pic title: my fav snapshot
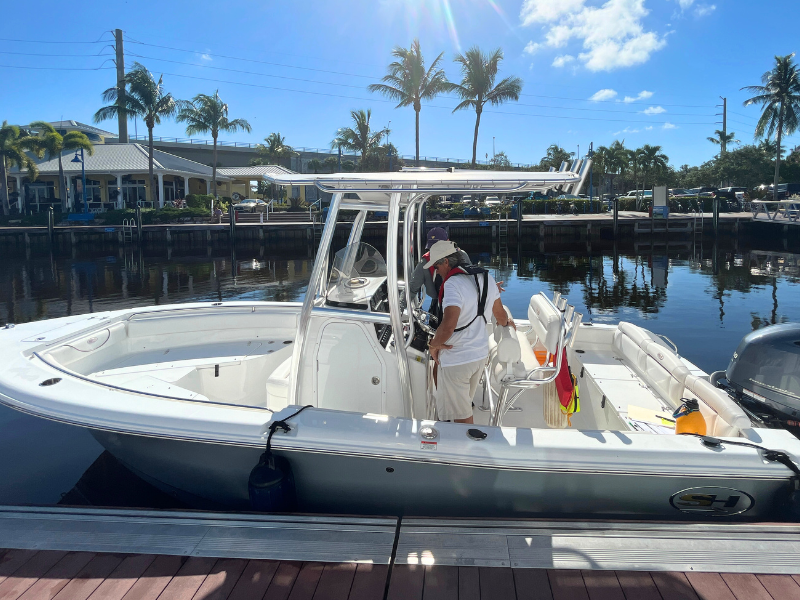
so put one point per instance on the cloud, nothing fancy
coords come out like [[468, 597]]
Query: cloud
[[205, 57], [684, 4], [643, 95], [654, 110], [703, 10], [612, 35], [532, 48], [560, 61], [606, 94], [648, 128], [626, 130], [669, 125], [544, 11]]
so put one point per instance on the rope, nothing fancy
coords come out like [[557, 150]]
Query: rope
[[283, 426]]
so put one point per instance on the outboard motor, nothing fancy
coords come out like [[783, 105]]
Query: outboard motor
[[766, 368]]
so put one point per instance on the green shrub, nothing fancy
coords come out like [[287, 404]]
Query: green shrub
[[199, 201]]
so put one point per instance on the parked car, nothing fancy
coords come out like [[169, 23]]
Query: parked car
[[706, 192], [785, 190], [679, 193], [492, 201], [568, 197], [250, 205], [729, 193], [633, 194]]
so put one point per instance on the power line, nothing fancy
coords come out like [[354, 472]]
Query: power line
[[252, 60], [269, 87], [99, 40], [362, 87], [58, 55], [56, 68], [741, 115]]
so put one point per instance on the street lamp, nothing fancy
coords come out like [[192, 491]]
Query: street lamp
[[83, 177]]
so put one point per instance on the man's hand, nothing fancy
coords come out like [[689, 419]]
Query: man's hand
[[436, 348], [500, 287]]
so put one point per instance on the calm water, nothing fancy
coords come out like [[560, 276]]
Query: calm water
[[704, 303]]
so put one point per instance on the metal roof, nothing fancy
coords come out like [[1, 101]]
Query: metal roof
[[257, 171], [78, 126], [433, 181], [123, 159]]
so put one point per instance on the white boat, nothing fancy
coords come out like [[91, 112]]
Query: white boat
[[186, 395]]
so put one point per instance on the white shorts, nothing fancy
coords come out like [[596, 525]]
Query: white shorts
[[456, 388]]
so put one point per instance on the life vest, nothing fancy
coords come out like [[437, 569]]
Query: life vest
[[567, 389], [482, 293]]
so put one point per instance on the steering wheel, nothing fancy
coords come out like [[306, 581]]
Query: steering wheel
[[423, 319]]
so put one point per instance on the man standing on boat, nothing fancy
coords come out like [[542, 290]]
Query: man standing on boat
[[425, 277], [469, 296]]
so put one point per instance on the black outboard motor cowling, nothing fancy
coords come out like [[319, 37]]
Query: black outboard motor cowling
[[766, 368]]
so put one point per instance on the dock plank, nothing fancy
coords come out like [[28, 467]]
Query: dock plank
[[13, 560], [532, 584], [307, 580], [221, 580], [407, 582], [91, 576], [746, 586], [189, 578], [254, 580], [123, 577], [441, 583], [29, 573], [567, 584], [497, 583], [58, 576], [369, 582], [155, 578], [283, 581], [780, 587], [602, 585], [638, 584], [710, 586], [469, 583], [335, 581], [673, 586]]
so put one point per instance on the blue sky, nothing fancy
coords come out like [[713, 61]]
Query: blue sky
[[655, 68]]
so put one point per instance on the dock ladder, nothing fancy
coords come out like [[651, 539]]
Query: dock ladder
[[128, 225], [697, 232], [502, 233]]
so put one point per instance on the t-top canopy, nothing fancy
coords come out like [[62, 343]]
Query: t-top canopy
[[432, 182]]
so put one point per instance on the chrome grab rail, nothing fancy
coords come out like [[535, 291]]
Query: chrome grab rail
[[670, 342]]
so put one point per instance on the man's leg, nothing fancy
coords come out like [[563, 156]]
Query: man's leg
[[453, 402]]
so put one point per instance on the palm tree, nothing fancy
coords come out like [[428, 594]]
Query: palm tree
[[652, 160], [209, 114], [410, 83], [274, 150], [477, 85], [779, 97], [54, 144], [13, 144], [144, 98], [723, 139], [315, 164], [615, 160], [331, 163], [359, 138]]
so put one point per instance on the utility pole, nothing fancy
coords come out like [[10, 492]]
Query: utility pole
[[122, 116], [723, 145]]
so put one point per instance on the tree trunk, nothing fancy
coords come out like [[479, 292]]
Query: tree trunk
[[62, 189], [778, 155], [214, 171], [152, 186], [4, 186], [475, 139], [417, 113]]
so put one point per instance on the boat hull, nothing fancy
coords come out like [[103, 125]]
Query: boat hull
[[209, 475]]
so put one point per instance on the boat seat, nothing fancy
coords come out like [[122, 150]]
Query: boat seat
[[545, 322], [723, 416], [278, 385]]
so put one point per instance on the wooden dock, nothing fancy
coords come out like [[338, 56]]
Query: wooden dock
[[108, 554]]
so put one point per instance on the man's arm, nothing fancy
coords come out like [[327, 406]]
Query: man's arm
[[500, 314], [445, 331], [417, 278]]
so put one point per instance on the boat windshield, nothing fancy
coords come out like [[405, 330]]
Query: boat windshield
[[358, 270]]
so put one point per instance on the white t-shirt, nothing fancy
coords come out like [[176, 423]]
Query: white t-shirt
[[472, 343]]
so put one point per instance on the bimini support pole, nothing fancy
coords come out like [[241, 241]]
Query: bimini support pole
[[394, 302], [317, 274]]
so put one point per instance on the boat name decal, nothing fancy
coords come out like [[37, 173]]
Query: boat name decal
[[715, 501]]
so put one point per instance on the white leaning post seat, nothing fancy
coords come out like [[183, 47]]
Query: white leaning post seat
[[546, 325], [723, 416]]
